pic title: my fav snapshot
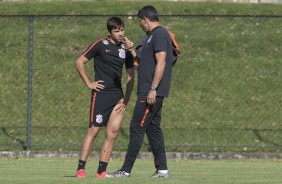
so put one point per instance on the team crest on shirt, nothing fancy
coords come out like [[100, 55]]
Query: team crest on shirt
[[99, 118], [121, 53], [106, 42]]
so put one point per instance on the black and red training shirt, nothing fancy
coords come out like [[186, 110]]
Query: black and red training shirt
[[109, 59]]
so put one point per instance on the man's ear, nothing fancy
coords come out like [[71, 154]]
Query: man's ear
[[145, 20]]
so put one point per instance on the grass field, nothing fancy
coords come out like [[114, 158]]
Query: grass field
[[226, 88], [62, 170]]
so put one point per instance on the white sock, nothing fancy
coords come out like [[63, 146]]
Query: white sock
[[163, 171]]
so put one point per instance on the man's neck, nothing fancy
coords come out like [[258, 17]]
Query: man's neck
[[154, 25], [113, 41]]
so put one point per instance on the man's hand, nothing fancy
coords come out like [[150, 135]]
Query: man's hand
[[128, 44], [120, 107], [151, 98], [96, 85]]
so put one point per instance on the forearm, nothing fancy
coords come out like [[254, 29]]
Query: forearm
[[133, 52], [159, 71], [129, 86], [160, 67]]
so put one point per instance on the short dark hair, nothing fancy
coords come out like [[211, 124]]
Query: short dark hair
[[114, 23], [149, 12]]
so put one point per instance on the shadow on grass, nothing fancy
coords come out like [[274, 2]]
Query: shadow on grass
[[14, 138], [262, 139]]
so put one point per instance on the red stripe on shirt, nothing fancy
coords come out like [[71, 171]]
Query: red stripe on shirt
[[93, 44]]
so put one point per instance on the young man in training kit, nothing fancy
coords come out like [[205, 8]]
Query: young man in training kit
[[154, 76], [108, 101]]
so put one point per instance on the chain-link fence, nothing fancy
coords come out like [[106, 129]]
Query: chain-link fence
[[226, 87]]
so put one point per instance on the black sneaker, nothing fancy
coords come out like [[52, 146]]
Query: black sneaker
[[118, 174], [160, 174]]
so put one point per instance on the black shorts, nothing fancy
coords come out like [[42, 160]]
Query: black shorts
[[102, 105]]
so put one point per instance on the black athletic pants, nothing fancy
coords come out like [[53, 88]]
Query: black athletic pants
[[146, 119]]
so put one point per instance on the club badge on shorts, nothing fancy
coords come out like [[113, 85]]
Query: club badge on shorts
[[99, 118]]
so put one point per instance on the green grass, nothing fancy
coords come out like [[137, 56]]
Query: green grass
[[226, 88], [130, 7], [62, 170]]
